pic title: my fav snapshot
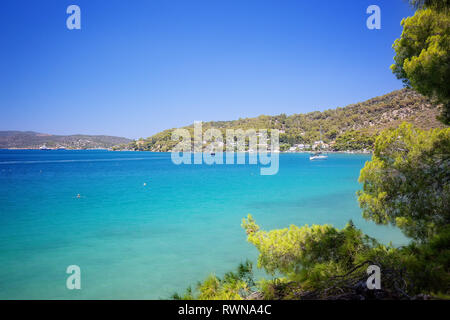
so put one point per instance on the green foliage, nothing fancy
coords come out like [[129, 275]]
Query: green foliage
[[434, 4], [319, 258], [407, 182], [187, 295], [423, 54], [233, 286], [308, 254], [284, 147], [322, 261], [354, 140], [428, 264]]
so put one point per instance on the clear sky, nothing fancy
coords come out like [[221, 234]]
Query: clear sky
[[139, 67]]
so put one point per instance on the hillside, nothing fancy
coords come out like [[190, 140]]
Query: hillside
[[348, 128], [34, 140]]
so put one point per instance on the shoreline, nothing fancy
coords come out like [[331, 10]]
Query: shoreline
[[56, 149], [106, 149]]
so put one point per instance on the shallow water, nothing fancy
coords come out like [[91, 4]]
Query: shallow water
[[136, 241]]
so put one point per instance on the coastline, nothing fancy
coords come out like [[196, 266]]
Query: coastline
[[109, 149], [56, 149]]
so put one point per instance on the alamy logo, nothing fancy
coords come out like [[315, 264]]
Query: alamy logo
[[374, 21], [210, 147], [374, 280], [74, 280], [74, 20]]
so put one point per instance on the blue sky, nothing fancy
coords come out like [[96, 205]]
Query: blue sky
[[139, 67]]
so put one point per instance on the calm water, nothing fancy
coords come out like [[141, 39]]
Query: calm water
[[136, 241]]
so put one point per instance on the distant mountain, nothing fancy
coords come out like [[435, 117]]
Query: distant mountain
[[353, 127], [35, 140]]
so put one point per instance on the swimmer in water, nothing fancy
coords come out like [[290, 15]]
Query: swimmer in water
[[145, 183], [78, 196]]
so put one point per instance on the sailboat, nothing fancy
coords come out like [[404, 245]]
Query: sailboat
[[44, 147], [318, 155]]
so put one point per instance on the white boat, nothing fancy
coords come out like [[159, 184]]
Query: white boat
[[318, 156]]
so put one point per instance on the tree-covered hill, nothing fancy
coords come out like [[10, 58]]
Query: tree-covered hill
[[348, 128], [34, 140]]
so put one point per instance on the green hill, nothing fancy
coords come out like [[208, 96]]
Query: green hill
[[35, 140], [349, 128]]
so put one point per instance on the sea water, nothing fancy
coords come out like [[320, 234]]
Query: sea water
[[141, 227]]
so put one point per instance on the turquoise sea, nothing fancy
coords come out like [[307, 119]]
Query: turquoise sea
[[136, 241]]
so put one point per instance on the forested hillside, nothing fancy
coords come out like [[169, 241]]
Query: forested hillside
[[34, 140], [349, 128]]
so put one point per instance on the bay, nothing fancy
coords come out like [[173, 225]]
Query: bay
[[143, 227]]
